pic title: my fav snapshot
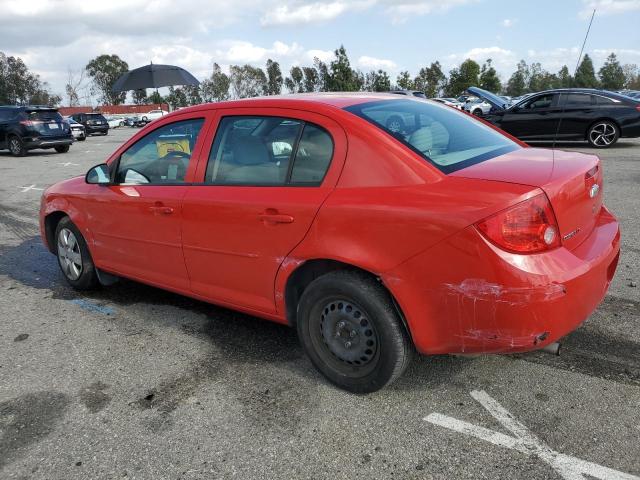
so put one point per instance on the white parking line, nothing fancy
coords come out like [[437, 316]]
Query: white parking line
[[523, 441], [67, 164], [30, 187]]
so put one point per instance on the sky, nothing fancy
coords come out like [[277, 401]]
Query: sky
[[56, 36]]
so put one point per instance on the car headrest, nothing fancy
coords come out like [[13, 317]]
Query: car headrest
[[250, 151]]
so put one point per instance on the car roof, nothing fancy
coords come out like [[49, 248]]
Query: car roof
[[339, 100]]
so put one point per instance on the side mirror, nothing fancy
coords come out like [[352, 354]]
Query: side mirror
[[99, 175]]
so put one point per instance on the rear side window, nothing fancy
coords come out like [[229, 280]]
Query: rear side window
[[579, 100], [268, 151], [446, 138]]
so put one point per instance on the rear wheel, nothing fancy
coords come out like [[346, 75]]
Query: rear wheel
[[351, 331], [73, 256], [477, 112], [603, 134], [16, 146], [62, 149]]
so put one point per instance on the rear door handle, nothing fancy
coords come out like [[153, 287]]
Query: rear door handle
[[275, 218]]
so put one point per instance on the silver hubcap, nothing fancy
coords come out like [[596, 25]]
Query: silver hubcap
[[14, 146], [69, 254], [602, 134]]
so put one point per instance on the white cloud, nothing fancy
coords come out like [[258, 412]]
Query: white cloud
[[402, 10], [323, 55], [247, 52], [608, 7], [509, 22], [302, 14], [376, 63]]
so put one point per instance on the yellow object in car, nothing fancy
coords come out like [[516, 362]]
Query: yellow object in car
[[173, 143]]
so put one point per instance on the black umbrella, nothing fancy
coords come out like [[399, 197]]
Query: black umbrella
[[153, 76]]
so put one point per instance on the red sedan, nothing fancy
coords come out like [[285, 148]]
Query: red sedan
[[372, 223]]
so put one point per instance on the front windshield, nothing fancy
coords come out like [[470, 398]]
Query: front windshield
[[448, 139]]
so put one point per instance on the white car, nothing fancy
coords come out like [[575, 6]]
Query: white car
[[115, 122], [77, 129], [450, 102], [152, 115], [477, 107]]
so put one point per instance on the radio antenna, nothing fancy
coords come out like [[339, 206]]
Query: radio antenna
[[564, 101], [585, 42]]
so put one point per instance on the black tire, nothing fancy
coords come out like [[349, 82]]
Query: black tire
[[145, 119], [603, 134], [86, 278], [331, 309], [395, 124], [16, 146], [82, 139], [62, 149], [122, 124], [477, 112]]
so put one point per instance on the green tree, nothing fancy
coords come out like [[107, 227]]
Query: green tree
[[377, 81], [631, 77], [323, 74], [140, 96], [247, 81], [586, 75], [430, 80], [19, 86], [177, 97], [404, 81], [462, 78], [311, 79], [156, 98], [295, 82], [611, 74], [518, 83], [274, 78], [342, 78], [216, 87], [104, 70], [564, 78], [489, 79]]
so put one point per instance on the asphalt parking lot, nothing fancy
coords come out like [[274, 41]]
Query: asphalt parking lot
[[134, 382]]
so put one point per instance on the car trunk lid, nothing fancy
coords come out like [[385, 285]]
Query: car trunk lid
[[572, 181], [48, 123]]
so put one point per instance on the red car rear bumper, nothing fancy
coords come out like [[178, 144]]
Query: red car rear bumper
[[467, 296]]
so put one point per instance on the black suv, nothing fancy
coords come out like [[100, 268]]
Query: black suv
[[93, 122], [30, 127]]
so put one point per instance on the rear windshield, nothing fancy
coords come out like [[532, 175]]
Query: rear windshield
[[446, 138], [42, 115], [95, 116]]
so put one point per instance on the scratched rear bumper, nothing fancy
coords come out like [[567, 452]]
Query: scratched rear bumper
[[485, 300]]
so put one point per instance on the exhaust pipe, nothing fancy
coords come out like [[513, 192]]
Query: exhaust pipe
[[552, 348]]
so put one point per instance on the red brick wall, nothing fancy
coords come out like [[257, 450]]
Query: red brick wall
[[113, 109]]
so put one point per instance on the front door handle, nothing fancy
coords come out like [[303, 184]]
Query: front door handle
[[159, 208], [273, 217]]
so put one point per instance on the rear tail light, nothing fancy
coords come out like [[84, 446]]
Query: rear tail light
[[528, 227], [638, 107], [29, 123]]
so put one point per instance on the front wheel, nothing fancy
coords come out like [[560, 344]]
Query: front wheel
[[62, 149], [351, 331], [603, 134], [477, 112], [73, 256]]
